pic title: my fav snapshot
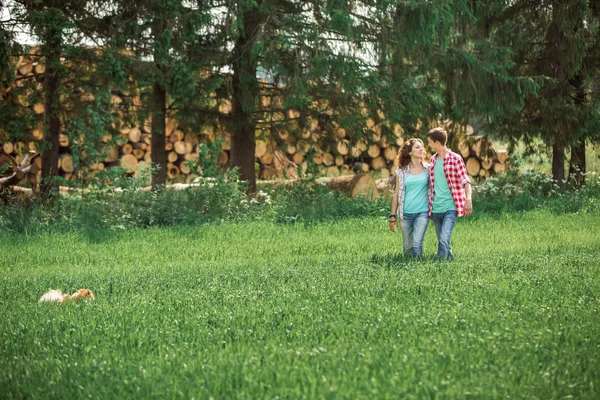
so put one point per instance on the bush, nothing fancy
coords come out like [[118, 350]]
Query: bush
[[314, 202], [223, 198], [518, 192]]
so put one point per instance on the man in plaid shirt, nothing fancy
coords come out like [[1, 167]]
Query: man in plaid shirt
[[451, 190]]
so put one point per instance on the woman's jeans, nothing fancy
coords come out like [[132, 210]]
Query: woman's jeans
[[413, 231], [444, 224]]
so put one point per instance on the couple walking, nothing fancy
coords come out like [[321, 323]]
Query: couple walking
[[440, 190]]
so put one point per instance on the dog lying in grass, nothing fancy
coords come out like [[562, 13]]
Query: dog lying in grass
[[59, 297]]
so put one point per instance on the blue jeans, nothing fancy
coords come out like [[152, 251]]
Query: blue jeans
[[444, 224], [413, 231]]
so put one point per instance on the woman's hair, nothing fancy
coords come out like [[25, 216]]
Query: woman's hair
[[403, 158]]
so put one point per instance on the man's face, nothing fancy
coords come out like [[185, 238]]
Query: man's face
[[434, 146]]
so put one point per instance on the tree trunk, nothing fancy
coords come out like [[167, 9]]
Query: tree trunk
[[577, 164], [245, 98], [558, 159], [50, 144], [158, 137]]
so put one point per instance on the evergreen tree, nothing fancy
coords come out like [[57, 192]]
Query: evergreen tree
[[162, 45], [557, 40]]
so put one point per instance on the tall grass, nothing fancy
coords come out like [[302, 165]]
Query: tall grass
[[259, 309]]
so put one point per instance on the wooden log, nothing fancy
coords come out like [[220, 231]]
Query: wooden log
[[289, 148], [172, 171], [99, 166], [339, 161], [390, 153], [298, 158], [192, 139], [477, 146], [267, 158], [328, 159], [39, 108], [378, 163], [127, 148], [302, 146], [39, 68], [260, 149], [134, 135], [111, 153], [342, 147], [464, 149], [191, 156], [139, 153], [487, 163], [8, 147], [333, 171], [361, 167], [398, 131], [63, 140], [168, 146], [383, 142], [176, 136], [185, 167], [499, 167], [374, 151], [473, 166], [38, 133], [66, 163], [269, 173], [180, 147], [147, 138], [346, 170], [129, 162], [190, 178], [353, 185], [502, 156], [283, 134], [318, 158], [25, 68], [172, 157]]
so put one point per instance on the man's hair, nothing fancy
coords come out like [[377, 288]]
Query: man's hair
[[438, 135]]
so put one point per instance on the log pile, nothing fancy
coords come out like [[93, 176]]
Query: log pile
[[12, 172], [279, 154]]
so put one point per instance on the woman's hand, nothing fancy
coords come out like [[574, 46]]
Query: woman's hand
[[393, 224]]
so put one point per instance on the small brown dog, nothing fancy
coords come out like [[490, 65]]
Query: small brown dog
[[59, 297]]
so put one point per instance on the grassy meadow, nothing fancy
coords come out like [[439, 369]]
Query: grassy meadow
[[328, 310]]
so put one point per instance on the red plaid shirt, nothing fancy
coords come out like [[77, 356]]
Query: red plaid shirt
[[457, 177]]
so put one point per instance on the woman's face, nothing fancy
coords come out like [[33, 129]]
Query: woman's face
[[417, 151]]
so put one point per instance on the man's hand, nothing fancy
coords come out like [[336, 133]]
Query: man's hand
[[468, 208], [393, 225]]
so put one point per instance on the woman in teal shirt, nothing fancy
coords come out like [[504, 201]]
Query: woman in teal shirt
[[410, 204]]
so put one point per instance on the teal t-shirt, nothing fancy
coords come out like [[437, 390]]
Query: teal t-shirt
[[442, 197], [415, 193]]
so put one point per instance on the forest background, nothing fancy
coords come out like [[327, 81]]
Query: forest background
[[522, 72]]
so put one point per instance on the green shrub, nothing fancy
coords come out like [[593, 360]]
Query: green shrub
[[518, 192], [222, 198]]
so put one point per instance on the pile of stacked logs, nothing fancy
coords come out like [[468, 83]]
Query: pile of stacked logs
[[279, 154]]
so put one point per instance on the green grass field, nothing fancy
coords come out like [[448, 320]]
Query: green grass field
[[259, 310]]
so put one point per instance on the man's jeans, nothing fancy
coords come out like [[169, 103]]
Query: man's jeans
[[413, 231], [444, 224]]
